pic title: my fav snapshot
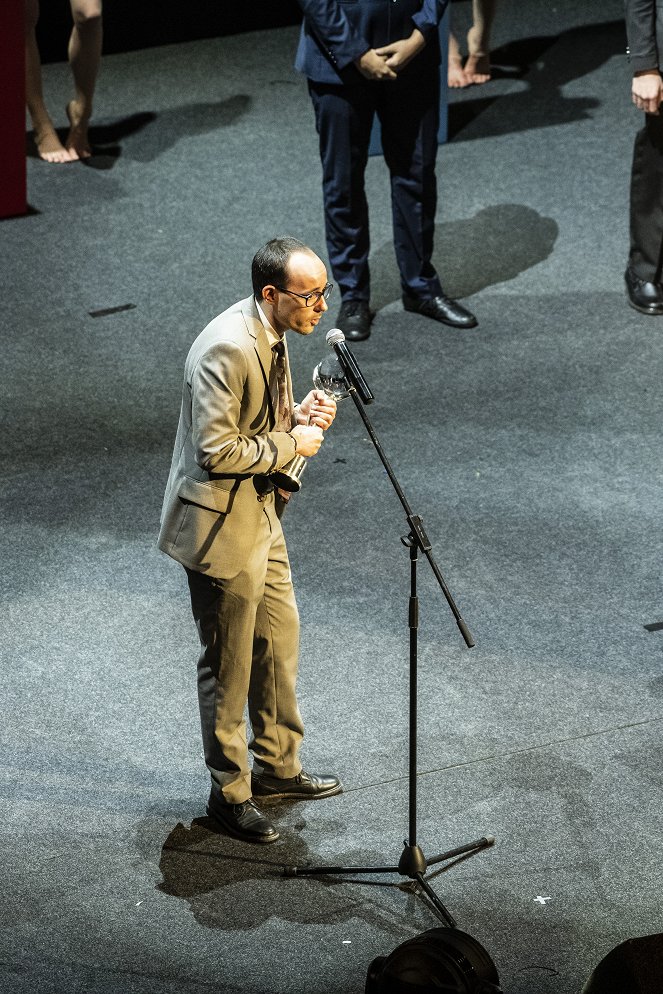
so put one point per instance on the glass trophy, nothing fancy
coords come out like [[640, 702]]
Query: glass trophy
[[328, 377]]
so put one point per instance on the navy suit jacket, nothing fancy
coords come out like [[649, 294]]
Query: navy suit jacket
[[336, 32], [644, 30]]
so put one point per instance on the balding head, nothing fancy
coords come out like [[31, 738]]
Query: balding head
[[270, 264]]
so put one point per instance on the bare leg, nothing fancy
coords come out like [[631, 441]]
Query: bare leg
[[477, 67], [84, 58], [48, 144], [455, 74]]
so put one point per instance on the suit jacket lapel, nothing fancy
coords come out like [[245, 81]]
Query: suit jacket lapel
[[255, 328]]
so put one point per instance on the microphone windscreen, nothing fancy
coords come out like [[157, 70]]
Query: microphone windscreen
[[334, 336]]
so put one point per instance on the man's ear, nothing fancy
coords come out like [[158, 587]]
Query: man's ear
[[269, 293]]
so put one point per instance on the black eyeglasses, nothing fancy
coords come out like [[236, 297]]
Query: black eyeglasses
[[310, 299]]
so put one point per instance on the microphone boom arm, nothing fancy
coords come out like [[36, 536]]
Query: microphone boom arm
[[417, 531]]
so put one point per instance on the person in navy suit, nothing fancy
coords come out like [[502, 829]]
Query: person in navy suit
[[361, 58], [644, 272]]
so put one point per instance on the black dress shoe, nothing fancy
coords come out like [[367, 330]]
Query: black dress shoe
[[644, 296], [442, 309], [243, 821], [354, 319], [303, 787]]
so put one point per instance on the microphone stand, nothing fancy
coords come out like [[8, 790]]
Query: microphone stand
[[412, 863]]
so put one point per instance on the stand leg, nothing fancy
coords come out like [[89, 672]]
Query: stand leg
[[435, 901], [483, 843], [333, 871]]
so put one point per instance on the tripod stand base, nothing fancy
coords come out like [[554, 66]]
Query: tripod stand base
[[412, 861], [413, 864]]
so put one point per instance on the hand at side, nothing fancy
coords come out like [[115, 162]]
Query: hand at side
[[647, 91]]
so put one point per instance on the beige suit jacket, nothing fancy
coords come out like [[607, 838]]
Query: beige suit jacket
[[225, 446]]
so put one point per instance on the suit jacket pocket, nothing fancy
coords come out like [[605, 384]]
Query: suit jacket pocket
[[212, 496]]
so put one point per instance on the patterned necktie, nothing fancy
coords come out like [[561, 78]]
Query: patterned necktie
[[282, 406]]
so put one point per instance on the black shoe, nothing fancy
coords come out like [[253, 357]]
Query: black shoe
[[354, 319], [243, 821], [442, 309], [643, 296], [302, 787]]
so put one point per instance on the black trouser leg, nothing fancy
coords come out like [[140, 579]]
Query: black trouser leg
[[409, 116], [646, 215], [343, 117]]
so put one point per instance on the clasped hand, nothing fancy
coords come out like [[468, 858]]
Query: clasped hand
[[316, 413], [317, 409], [385, 63]]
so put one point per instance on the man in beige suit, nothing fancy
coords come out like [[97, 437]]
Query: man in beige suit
[[221, 520]]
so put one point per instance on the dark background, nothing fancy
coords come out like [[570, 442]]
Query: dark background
[[134, 24]]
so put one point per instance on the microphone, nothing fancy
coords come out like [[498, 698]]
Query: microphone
[[336, 340]]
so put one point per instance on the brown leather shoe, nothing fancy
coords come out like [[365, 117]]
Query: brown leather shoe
[[243, 821], [305, 786]]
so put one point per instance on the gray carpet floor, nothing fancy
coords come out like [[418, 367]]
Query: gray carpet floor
[[530, 446]]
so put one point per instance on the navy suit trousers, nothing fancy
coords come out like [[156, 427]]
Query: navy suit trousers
[[646, 218], [408, 110]]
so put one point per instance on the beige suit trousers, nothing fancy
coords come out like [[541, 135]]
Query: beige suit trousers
[[249, 632]]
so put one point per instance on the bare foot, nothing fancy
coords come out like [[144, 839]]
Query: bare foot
[[456, 76], [477, 68], [48, 145], [77, 143]]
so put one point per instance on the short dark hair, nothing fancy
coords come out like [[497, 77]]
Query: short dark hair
[[270, 263]]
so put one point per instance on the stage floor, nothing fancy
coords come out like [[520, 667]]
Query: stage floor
[[530, 446]]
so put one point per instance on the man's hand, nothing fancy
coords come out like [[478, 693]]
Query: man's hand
[[374, 66], [308, 438], [647, 91], [317, 409], [398, 53]]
